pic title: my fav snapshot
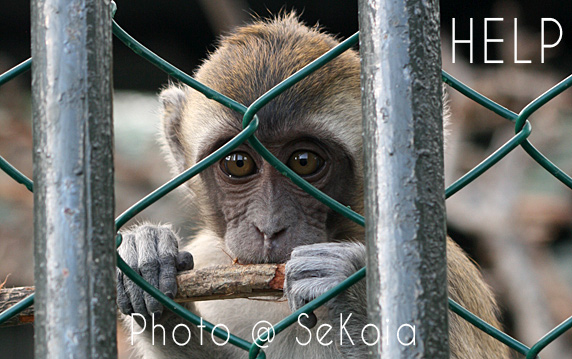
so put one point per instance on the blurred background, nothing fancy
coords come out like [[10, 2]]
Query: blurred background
[[515, 220]]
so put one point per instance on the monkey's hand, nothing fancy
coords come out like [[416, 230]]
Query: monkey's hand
[[314, 269], [153, 252]]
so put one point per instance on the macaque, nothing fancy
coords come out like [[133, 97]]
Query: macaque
[[250, 213]]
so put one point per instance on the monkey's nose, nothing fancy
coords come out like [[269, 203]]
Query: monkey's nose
[[270, 233]]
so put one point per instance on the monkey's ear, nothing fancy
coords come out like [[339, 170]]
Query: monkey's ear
[[172, 110]]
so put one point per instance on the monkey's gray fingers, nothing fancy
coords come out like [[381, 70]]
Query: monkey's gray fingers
[[307, 279], [152, 252], [348, 256], [315, 269]]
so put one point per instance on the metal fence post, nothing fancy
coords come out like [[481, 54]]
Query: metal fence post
[[404, 205], [73, 174]]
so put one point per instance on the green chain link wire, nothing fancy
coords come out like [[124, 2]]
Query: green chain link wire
[[523, 129]]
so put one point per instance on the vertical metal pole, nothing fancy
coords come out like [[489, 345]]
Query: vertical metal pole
[[73, 174], [404, 206]]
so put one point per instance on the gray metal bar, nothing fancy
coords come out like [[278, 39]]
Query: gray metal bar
[[404, 206], [73, 175]]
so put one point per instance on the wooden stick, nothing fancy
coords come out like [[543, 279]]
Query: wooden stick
[[211, 283], [226, 282]]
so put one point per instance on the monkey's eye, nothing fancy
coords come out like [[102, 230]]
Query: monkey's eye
[[238, 164], [305, 163]]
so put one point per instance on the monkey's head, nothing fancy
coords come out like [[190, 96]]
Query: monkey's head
[[314, 128]]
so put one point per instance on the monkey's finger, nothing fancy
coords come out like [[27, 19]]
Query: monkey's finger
[[128, 252], [307, 251], [312, 268], [321, 250], [122, 298], [135, 295], [150, 272], [335, 259], [167, 251], [167, 276], [159, 247], [185, 261], [302, 291]]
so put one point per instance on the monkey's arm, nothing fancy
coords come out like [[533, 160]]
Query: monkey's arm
[[315, 269]]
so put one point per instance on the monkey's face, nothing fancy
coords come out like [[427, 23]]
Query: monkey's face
[[261, 214], [314, 127]]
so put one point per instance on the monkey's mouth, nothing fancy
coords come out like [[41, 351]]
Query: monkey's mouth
[[260, 248], [238, 261], [261, 255], [257, 259]]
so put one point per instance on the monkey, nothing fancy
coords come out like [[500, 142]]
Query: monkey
[[251, 213]]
